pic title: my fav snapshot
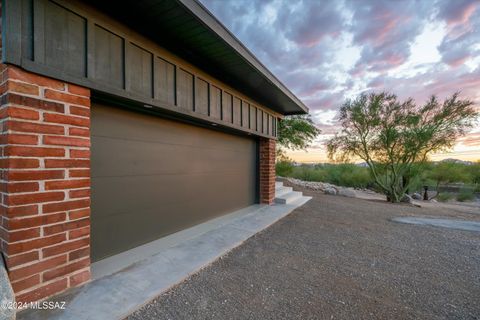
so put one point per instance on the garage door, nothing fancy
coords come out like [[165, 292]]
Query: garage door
[[152, 177]]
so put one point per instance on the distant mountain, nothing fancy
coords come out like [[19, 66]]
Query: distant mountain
[[364, 164], [457, 161]]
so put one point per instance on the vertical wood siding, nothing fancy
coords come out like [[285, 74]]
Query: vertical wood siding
[[68, 41], [164, 81], [201, 97], [227, 107]]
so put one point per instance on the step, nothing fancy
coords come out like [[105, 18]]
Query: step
[[288, 197], [278, 184], [282, 190]]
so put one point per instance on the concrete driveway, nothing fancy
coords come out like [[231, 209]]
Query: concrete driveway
[[338, 258]]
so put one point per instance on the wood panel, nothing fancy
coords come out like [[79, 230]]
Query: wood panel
[[253, 117], [237, 111], [108, 58], [215, 102], [259, 120], [227, 107], [201, 97], [79, 45], [140, 70], [185, 89], [164, 81], [265, 123], [245, 114], [63, 48], [270, 125]]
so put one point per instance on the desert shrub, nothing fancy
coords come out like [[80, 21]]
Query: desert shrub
[[474, 173], [348, 175], [444, 197], [284, 168], [308, 173], [465, 195]]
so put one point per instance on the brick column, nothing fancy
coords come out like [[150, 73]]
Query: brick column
[[267, 170], [45, 183]]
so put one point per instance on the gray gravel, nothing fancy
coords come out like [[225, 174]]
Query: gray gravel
[[338, 258]]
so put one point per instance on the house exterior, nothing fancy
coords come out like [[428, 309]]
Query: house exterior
[[121, 124]]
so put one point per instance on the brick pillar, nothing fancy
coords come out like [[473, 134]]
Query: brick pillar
[[45, 187], [267, 170]]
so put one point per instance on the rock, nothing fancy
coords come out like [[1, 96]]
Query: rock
[[6, 294], [417, 196], [433, 200], [346, 192], [407, 199], [330, 190]]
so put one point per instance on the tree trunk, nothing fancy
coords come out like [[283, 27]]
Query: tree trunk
[[405, 182]]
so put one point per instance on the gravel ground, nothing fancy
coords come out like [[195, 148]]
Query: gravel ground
[[338, 258]]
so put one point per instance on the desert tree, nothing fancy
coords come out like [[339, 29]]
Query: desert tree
[[392, 135], [295, 133], [447, 172]]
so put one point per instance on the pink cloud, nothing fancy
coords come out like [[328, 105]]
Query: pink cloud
[[458, 11], [470, 140]]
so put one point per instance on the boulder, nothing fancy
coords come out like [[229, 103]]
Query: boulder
[[417, 196], [330, 190], [407, 199], [346, 192]]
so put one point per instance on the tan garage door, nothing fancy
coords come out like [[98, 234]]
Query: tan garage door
[[152, 177]]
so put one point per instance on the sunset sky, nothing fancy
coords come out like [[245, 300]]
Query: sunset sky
[[328, 50]]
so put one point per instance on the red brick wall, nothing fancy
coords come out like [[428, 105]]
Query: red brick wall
[[267, 170], [45, 183]]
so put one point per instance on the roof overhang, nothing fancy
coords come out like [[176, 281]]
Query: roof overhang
[[189, 30]]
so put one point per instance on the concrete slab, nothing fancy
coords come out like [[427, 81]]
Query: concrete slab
[[120, 261], [7, 298], [444, 223], [165, 262]]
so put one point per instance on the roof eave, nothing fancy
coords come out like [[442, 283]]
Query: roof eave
[[215, 26]]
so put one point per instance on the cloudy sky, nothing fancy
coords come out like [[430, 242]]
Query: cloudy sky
[[328, 50]]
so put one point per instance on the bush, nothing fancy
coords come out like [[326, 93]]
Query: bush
[[444, 197], [308, 173], [474, 173], [351, 175], [347, 175], [284, 168], [465, 195]]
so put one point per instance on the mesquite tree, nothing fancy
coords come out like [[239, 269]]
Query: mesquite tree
[[295, 133], [390, 135]]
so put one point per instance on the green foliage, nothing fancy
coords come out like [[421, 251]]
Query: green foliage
[[296, 132], [347, 175], [284, 168], [465, 195], [419, 176], [350, 175], [474, 173], [391, 136], [476, 188], [308, 173], [449, 172], [444, 197]]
